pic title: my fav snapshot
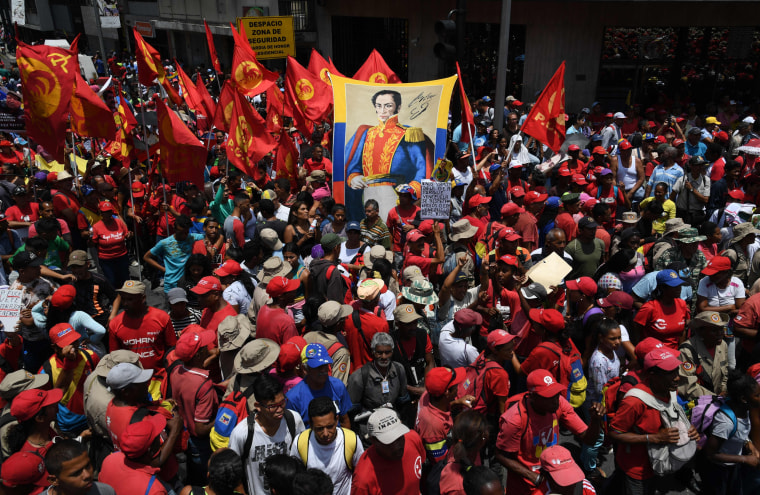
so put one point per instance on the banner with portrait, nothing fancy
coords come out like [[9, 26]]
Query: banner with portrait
[[386, 135]]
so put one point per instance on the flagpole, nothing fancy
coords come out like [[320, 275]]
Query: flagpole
[[132, 200], [73, 163], [472, 145]]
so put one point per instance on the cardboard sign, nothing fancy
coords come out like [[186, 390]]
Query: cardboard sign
[[550, 271], [436, 200], [10, 308], [270, 37]]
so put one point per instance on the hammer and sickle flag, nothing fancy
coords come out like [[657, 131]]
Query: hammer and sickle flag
[[250, 77], [223, 113], [312, 96], [320, 68], [249, 140], [376, 71], [286, 165], [183, 156], [546, 121], [150, 67], [89, 114], [47, 83]]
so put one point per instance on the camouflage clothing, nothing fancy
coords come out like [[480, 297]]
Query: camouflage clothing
[[695, 264]]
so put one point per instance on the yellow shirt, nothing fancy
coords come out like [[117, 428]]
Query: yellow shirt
[[668, 212]]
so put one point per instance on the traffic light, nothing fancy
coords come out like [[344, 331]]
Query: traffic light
[[446, 49]]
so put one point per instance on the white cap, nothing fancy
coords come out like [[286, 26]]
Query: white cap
[[619, 115], [749, 120], [125, 374]]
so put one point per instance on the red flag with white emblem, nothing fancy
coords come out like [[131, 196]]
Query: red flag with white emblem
[[546, 120]]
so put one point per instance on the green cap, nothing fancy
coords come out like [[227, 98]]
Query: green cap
[[330, 241]]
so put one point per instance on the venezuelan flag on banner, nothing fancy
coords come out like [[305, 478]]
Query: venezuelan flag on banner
[[386, 135]]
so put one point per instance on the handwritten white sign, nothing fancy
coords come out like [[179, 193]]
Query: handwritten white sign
[[436, 200], [10, 309]]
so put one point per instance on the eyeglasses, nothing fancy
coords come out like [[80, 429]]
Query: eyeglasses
[[275, 406]]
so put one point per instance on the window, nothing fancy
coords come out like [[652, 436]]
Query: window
[[302, 12]]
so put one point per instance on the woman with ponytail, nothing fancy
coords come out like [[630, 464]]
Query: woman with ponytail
[[469, 436]]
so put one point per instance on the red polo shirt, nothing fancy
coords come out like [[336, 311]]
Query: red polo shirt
[[280, 325], [210, 320], [371, 324], [194, 392], [131, 477], [376, 475], [149, 336], [434, 426]]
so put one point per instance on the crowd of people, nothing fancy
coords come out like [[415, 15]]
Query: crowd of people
[[248, 337]]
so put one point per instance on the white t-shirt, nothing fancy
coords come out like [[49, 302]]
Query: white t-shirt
[[721, 297], [262, 447], [330, 459], [388, 304], [455, 352], [624, 337], [446, 312], [465, 176], [347, 254], [601, 369], [236, 295]]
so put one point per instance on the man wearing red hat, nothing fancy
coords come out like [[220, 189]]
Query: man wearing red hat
[[280, 325], [35, 410], [531, 424], [629, 171], [561, 475], [637, 414], [526, 226], [23, 473], [215, 308], [68, 368]]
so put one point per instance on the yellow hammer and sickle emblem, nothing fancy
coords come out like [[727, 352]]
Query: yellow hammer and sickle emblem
[[60, 58], [323, 75], [379, 78], [304, 90]]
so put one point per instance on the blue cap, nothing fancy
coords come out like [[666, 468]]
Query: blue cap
[[353, 225], [20, 141], [315, 355], [494, 167], [486, 99], [648, 136], [553, 202], [596, 137], [459, 182], [669, 278]]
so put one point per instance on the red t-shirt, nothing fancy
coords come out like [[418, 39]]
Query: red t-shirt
[[527, 433], [634, 415], [62, 201], [566, 222], [527, 228], [397, 218], [718, 169], [749, 317], [280, 325], [607, 196], [149, 336], [507, 299], [111, 242], [371, 324], [410, 345], [15, 158], [194, 392], [495, 384], [324, 164], [433, 425], [131, 477], [604, 236], [29, 213], [376, 475], [422, 262], [663, 323], [210, 320], [64, 228], [542, 358]]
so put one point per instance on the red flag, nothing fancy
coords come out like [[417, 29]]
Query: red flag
[[250, 77], [89, 114], [468, 119], [150, 67], [375, 70], [223, 114], [320, 67], [546, 120], [206, 99], [276, 109], [212, 49], [183, 156], [249, 141], [287, 160], [48, 76], [312, 96], [189, 92], [122, 147]]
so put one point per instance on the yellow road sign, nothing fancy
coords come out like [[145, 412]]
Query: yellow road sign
[[270, 37]]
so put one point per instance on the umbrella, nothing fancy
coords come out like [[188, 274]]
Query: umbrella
[[751, 148], [577, 138]]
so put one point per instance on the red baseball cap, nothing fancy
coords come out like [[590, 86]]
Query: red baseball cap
[[290, 353], [736, 194], [665, 359], [678, 142], [509, 260], [722, 136], [625, 145], [511, 209], [557, 462], [511, 234], [609, 114], [619, 299], [717, 264], [598, 150], [439, 380], [517, 191], [207, 284], [229, 267], [580, 179], [63, 334], [426, 226], [660, 140], [584, 284], [478, 200], [24, 468], [646, 346], [543, 383], [564, 172], [499, 337], [29, 403], [550, 319], [535, 197], [573, 147], [137, 438], [280, 285], [414, 235], [193, 338], [468, 318], [64, 297], [106, 206], [138, 189]]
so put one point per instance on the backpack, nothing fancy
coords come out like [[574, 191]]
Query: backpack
[[614, 195], [488, 242], [611, 395], [570, 373], [703, 415], [348, 299], [475, 375], [290, 422], [349, 446], [232, 411], [667, 458], [649, 253]]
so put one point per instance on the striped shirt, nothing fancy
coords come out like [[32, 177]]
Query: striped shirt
[[193, 318], [378, 234]]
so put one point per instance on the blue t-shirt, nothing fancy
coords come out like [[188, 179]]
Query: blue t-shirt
[[175, 255], [301, 395], [644, 288]]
